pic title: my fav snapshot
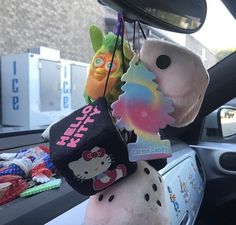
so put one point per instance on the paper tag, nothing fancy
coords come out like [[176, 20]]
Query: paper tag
[[149, 151]]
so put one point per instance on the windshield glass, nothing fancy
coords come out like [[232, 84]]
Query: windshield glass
[[45, 52], [216, 39]]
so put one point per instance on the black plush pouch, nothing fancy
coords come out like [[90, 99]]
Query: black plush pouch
[[88, 150]]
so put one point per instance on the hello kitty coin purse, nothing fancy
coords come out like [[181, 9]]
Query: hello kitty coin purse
[[88, 150]]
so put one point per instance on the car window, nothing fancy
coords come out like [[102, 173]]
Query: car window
[[45, 52]]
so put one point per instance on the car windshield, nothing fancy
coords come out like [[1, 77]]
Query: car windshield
[[45, 52], [215, 40]]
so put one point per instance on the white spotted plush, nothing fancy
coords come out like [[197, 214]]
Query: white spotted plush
[[136, 200]]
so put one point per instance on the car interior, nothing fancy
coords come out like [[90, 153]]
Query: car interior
[[199, 177]]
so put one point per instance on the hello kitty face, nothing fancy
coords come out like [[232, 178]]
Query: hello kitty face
[[91, 164]]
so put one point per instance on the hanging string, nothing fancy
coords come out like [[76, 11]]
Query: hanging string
[[139, 46], [144, 36], [112, 59], [134, 29], [125, 32], [122, 46]]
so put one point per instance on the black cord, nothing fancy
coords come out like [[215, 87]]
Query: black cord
[[134, 36], [122, 46], [112, 59], [144, 36]]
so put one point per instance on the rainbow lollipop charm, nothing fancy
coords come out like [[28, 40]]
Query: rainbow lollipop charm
[[142, 108]]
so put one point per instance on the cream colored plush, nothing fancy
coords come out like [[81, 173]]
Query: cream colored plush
[[184, 81], [137, 200]]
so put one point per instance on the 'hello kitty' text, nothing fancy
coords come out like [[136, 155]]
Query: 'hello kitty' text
[[75, 132]]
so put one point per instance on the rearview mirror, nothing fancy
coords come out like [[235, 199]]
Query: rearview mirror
[[185, 16]]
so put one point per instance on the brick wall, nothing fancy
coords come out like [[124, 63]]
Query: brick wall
[[59, 24]]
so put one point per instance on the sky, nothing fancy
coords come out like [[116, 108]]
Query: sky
[[218, 31]]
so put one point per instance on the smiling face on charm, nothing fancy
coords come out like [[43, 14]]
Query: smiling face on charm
[[98, 72]]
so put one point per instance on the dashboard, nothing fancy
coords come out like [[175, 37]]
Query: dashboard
[[184, 181], [183, 177]]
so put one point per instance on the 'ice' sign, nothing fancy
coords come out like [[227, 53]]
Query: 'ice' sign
[[15, 89]]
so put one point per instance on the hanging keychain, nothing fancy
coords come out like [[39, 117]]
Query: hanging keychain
[[107, 67]]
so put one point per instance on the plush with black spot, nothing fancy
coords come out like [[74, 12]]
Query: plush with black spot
[[137, 200], [181, 76]]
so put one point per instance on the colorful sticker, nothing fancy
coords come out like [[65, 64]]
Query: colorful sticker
[[94, 165], [173, 200], [184, 190], [143, 109], [192, 181]]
